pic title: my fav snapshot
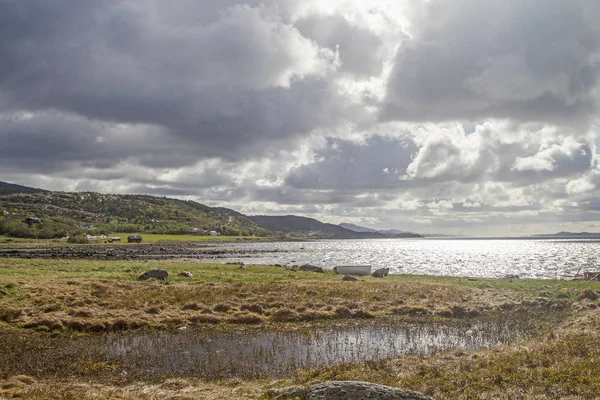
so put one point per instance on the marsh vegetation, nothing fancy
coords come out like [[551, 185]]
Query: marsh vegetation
[[86, 329]]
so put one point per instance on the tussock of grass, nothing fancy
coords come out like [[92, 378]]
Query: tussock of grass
[[88, 295]]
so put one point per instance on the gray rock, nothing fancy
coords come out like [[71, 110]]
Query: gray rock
[[242, 266], [185, 274], [348, 390], [312, 268], [380, 273], [511, 276], [349, 278], [160, 274]]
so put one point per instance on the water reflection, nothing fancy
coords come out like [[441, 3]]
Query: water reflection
[[275, 354]]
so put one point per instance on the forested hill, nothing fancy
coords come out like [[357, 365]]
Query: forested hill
[[62, 213], [6, 187], [29, 212]]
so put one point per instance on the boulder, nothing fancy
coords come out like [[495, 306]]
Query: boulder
[[380, 273], [511, 276], [312, 268], [349, 278], [347, 390], [242, 266], [185, 274], [160, 274]]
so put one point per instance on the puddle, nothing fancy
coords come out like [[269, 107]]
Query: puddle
[[214, 355]]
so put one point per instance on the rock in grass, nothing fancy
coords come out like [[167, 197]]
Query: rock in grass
[[348, 390], [185, 274], [242, 266], [349, 278], [380, 273], [160, 274], [312, 268]]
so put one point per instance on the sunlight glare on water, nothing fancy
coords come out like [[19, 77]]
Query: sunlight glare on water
[[532, 258]]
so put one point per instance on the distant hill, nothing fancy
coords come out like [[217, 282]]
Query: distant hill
[[64, 213], [30, 212], [569, 234], [6, 187], [395, 233], [356, 228], [308, 227]]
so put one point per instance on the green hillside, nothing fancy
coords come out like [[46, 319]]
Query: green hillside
[[63, 213], [6, 187]]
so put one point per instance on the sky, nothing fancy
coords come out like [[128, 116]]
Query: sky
[[476, 117]]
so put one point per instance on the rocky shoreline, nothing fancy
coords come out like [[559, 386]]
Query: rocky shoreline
[[170, 251]]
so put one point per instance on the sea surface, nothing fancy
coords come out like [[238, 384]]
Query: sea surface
[[493, 258]]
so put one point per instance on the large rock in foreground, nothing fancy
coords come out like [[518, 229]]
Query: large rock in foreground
[[348, 390]]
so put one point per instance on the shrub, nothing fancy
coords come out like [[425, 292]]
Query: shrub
[[79, 239]]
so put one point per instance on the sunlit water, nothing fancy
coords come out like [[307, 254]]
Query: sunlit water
[[531, 258]]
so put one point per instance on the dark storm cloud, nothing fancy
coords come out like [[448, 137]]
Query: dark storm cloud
[[238, 82], [54, 141], [533, 60]]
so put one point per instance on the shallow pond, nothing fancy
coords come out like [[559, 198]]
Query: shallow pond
[[217, 355]]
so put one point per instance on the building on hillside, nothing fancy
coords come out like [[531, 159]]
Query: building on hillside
[[134, 239], [86, 226]]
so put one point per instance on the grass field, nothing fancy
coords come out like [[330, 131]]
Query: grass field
[[147, 238], [152, 238], [43, 299]]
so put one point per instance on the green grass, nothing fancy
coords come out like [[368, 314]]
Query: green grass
[[216, 272], [154, 238], [148, 238], [129, 270]]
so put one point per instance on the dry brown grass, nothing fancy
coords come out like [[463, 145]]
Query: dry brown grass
[[93, 305], [25, 387]]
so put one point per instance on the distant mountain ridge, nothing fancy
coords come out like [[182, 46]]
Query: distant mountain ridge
[[308, 227], [6, 187], [568, 234], [356, 228], [386, 232], [303, 226]]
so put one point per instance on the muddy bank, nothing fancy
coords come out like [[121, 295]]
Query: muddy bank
[[170, 251]]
